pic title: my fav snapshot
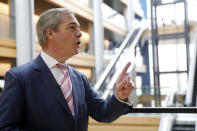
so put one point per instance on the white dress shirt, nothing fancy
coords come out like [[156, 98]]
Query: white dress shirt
[[51, 63]]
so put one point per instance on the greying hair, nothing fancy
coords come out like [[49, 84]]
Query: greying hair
[[50, 19]]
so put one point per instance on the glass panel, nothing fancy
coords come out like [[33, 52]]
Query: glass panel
[[173, 82], [167, 57], [174, 15], [181, 56], [172, 57]]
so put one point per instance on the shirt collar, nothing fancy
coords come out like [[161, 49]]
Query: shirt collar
[[50, 61]]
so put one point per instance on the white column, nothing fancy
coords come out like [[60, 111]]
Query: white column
[[98, 37], [130, 15], [24, 30]]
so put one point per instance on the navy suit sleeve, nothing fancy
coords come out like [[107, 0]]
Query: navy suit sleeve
[[11, 104], [102, 110]]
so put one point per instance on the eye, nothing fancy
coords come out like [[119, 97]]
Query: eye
[[72, 27]]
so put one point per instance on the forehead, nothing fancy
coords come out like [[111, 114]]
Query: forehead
[[69, 19]]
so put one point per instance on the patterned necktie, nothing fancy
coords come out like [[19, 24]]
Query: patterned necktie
[[66, 87]]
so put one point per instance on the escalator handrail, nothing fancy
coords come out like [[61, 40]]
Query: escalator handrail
[[187, 110], [132, 46], [192, 68], [114, 60], [167, 122]]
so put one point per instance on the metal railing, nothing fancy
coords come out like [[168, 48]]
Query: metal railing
[[163, 110]]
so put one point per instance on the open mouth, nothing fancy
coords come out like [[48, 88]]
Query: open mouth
[[78, 43]]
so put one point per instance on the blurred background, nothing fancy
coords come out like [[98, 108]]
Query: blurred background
[[159, 38]]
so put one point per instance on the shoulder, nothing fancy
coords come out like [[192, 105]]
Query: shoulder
[[28, 67], [18, 74], [21, 72], [22, 69], [77, 73]]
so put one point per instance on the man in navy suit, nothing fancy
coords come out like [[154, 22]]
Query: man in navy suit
[[32, 99]]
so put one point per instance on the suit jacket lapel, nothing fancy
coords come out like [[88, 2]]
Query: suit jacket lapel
[[47, 78]]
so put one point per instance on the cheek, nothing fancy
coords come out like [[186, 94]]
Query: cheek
[[66, 40]]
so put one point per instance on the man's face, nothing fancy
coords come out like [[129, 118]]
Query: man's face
[[67, 38]]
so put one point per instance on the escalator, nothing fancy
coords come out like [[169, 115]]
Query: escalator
[[194, 94], [105, 85], [185, 122], [183, 126], [191, 96]]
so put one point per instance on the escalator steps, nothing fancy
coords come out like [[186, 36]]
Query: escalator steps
[[184, 126]]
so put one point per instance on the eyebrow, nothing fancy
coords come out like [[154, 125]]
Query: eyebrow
[[74, 23]]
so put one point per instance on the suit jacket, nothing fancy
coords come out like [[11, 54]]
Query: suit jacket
[[33, 101]]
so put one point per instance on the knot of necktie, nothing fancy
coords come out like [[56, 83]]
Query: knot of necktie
[[61, 66]]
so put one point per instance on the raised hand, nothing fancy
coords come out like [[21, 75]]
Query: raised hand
[[123, 87]]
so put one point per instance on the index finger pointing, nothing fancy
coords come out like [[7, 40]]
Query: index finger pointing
[[124, 71]]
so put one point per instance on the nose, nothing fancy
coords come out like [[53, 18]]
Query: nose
[[79, 34]]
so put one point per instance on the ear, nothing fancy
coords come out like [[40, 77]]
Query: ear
[[50, 33]]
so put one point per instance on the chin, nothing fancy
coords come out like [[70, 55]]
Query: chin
[[76, 52]]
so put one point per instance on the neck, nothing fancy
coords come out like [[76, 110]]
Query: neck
[[55, 54]]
